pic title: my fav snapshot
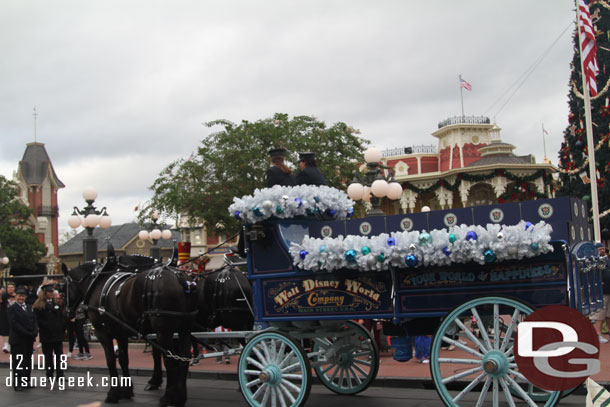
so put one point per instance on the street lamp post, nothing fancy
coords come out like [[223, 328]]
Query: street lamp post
[[4, 263], [91, 217], [373, 185], [153, 231]]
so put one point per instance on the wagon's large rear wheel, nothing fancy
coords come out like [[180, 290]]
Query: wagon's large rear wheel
[[274, 371], [347, 364], [481, 371]]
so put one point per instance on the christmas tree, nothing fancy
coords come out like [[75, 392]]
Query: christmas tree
[[573, 159]]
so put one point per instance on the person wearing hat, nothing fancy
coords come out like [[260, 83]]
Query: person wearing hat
[[278, 173], [52, 325], [309, 174], [23, 331]]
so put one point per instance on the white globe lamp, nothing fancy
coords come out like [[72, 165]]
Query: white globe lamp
[[74, 221], [143, 235], [425, 208], [105, 222], [394, 190], [372, 155], [367, 194], [5, 260], [355, 191], [155, 234], [379, 188], [90, 194], [166, 234]]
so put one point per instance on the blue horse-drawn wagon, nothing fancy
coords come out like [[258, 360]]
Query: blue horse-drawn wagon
[[467, 275]]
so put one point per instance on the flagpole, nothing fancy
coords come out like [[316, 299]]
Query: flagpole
[[544, 143], [461, 93], [589, 129]]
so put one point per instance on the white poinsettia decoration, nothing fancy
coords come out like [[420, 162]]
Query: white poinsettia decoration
[[459, 244], [289, 202]]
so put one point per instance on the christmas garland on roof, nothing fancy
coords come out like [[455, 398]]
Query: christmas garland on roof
[[480, 178], [288, 202], [460, 244]]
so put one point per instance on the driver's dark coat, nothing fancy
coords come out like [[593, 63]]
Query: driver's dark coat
[[51, 322], [310, 176], [23, 324], [275, 176]]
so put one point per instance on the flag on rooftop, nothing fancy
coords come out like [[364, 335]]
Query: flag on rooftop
[[465, 85], [588, 50]]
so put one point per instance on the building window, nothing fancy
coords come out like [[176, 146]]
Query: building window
[[481, 194]]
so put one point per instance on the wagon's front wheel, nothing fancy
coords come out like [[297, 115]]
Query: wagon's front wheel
[[347, 364], [482, 371], [274, 371]]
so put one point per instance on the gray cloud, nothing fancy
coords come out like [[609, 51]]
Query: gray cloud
[[122, 87]]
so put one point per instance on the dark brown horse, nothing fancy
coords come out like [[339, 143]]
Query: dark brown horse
[[224, 298], [123, 302]]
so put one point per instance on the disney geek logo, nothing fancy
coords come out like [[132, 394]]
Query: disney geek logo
[[556, 348]]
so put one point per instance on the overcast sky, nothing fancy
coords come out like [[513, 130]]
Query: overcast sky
[[121, 87]]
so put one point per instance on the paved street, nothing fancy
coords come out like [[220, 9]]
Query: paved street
[[224, 393], [211, 384]]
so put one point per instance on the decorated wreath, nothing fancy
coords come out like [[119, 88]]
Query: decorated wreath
[[289, 202], [460, 244]]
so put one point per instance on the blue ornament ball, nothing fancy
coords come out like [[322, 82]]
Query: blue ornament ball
[[303, 254], [452, 238], [528, 225], [237, 215], [535, 246], [279, 209], [446, 251], [322, 249], [316, 210], [381, 257], [350, 213], [309, 212], [411, 260], [365, 250], [299, 202], [332, 212], [424, 238], [315, 198], [489, 255], [257, 211], [472, 235], [350, 255], [391, 241]]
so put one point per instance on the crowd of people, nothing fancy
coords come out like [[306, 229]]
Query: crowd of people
[[33, 319]]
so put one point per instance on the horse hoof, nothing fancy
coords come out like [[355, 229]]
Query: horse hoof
[[126, 392], [149, 387]]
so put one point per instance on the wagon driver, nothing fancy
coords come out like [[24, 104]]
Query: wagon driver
[[309, 174], [278, 173]]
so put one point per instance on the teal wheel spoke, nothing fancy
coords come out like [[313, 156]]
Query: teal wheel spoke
[[348, 363], [274, 371], [485, 363]]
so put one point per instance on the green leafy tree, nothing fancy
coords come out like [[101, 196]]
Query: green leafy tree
[[17, 239], [232, 162], [573, 152]]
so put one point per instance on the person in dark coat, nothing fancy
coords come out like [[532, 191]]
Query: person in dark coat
[[7, 297], [23, 331], [52, 325], [278, 173], [310, 174]]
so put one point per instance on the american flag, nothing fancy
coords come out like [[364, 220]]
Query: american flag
[[588, 51], [465, 85]]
